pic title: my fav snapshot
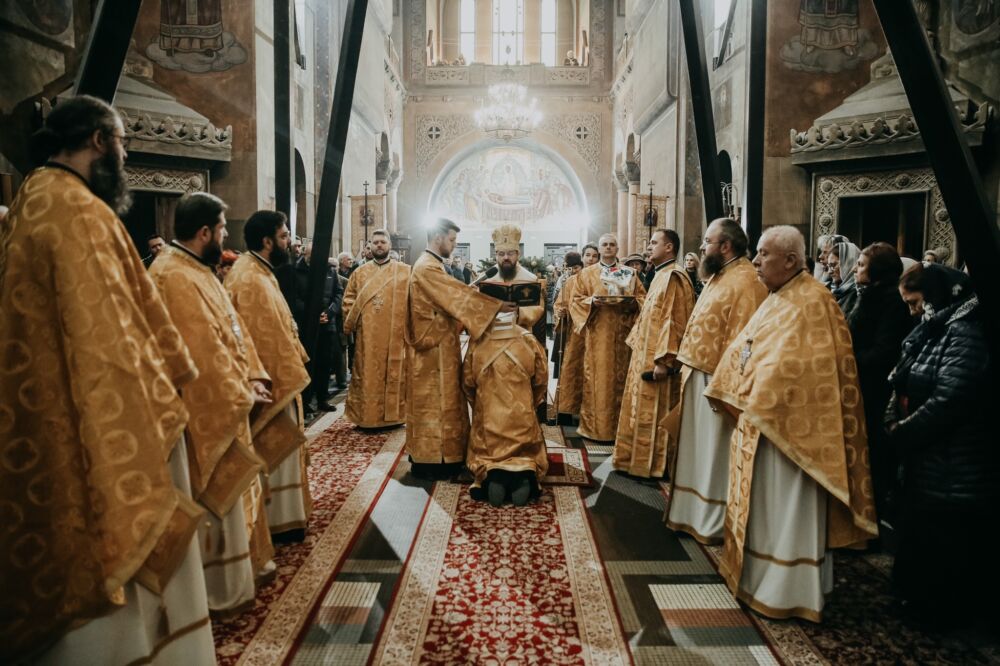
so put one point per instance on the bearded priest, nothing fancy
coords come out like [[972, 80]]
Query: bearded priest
[[375, 308], [605, 305], [643, 443], [231, 381], [505, 378], [799, 483], [699, 472], [437, 415], [277, 426], [507, 248], [100, 563]]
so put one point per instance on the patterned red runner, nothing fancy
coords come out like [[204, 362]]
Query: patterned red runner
[[348, 469], [507, 585]]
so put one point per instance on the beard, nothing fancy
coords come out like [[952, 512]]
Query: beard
[[508, 271], [279, 256], [212, 254], [711, 264], [379, 255], [109, 183]]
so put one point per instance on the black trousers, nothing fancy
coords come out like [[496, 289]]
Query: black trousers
[[319, 370]]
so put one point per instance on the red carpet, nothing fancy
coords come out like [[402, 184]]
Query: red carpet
[[507, 585], [348, 469]]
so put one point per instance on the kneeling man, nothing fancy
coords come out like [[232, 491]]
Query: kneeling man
[[504, 377]]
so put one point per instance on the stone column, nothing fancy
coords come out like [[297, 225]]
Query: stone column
[[621, 224], [633, 177], [392, 190]]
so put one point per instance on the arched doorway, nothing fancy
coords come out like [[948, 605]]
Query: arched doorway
[[491, 184]]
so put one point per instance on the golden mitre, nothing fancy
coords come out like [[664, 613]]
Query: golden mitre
[[507, 237]]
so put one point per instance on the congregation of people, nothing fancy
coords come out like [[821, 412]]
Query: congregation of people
[[154, 411]]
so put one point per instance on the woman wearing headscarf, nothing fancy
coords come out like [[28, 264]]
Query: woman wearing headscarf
[[691, 264], [878, 322], [940, 421], [840, 264]]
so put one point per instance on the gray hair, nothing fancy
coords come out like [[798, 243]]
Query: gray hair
[[342, 255], [788, 239]]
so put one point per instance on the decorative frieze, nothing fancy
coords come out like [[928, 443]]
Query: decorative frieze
[[179, 134], [167, 181], [860, 133]]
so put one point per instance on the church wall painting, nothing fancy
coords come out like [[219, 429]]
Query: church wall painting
[[507, 185], [818, 53], [193, 38], [201, 73]]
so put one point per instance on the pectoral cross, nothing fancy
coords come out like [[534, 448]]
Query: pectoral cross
[[236, 328], [745, 355], [377, 303]]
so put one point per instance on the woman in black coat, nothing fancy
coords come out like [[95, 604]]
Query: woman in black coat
[[879, 320], [942, 423]]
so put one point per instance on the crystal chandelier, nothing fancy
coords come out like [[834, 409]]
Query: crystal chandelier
[[507, 113]]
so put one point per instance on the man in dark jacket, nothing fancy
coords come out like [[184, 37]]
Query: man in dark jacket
[[319, 367]]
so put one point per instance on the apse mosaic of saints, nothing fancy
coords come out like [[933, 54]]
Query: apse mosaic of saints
[[507, 185]]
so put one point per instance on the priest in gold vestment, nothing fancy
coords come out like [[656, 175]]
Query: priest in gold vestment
[[375, 308], [644, 442], [505, 377], [91, 364], [569, 390], [799, 482], [224, 469], [506, 245], [276, 427], [699, 471], [605, 305], [437, 415]]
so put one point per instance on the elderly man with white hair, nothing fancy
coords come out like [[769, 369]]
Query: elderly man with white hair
[[799, 481]]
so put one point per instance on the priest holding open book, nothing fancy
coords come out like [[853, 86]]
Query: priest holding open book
[[512, 280]]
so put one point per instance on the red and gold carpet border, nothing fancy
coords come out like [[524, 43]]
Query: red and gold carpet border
[[276, 638], [408, 625]]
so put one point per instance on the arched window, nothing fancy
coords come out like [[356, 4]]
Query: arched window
[[467, 38], [508, 32], [549, 32]]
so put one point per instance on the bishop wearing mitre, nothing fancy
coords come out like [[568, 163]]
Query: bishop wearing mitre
[[699, 475], [507, 249], [799, 484], [605, 305], [652, 389], [276, 426], [505, 378], [224, 469], [375, 309], [437, 415]]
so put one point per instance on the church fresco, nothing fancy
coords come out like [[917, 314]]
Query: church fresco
[[192, 38], [831, 38], [507, 184]]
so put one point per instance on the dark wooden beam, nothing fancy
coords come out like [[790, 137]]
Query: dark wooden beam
[[282, 109], [753, 210], [701, 103], [972, 216], [104, 54], [727, 36], [333, 163]]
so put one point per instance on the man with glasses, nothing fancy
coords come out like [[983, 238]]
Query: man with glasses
[[94, 478], [700, 465]]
